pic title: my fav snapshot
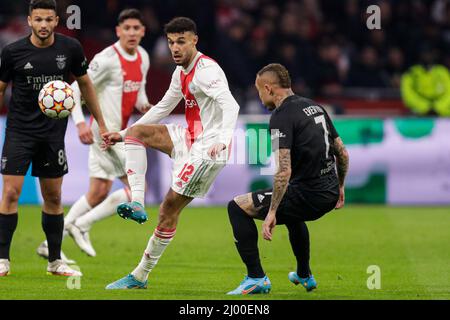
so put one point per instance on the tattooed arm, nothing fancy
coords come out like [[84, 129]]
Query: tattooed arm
[[342, 160], [280, 183], [281, 178]]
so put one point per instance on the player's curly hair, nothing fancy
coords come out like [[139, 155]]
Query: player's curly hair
[[42, 4], [180, 25], [282, 74]]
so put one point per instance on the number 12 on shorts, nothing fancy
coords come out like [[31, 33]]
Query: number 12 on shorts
[[186, 172]]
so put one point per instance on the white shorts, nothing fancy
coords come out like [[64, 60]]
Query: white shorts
[[192, 174], [109, 164]]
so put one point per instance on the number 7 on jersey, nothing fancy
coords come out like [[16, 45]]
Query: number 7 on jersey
[[321, 120]]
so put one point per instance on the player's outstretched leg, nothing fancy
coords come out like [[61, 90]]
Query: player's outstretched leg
[[136, 167], [246, 240], [137, 139]]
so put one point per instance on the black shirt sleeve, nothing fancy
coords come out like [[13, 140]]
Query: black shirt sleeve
[[6, 65], [281, 130], [79, 62]]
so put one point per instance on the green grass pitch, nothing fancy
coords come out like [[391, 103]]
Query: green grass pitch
[[410, 245]]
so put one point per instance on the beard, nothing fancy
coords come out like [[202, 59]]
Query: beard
[[43, 38]]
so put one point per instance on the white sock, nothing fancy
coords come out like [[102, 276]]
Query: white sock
[[136, 167], [155, 248], [80, 207], [105, 209]]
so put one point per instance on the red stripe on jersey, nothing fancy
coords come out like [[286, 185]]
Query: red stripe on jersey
[[132, 81], [191, 108]]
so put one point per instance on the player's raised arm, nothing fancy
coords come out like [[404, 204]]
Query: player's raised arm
[[342, 160]]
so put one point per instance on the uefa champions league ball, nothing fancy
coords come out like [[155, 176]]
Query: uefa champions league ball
[[56, 99]]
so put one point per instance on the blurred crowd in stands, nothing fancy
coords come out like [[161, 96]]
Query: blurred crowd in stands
[[325, 44]]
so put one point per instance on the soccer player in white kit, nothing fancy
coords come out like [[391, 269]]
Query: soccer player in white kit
[[199, 152], [119, 75]]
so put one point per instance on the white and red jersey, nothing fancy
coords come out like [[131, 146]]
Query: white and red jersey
[[119, 79], [211, 111]]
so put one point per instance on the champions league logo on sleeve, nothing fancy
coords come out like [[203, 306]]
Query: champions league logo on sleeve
[[61, 61]]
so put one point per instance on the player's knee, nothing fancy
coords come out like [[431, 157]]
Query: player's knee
[[52, 198], [97, 197], [233, 208], [140, 132], [11, 194]]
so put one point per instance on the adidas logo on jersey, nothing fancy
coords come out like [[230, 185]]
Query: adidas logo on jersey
[[260, 197], [28, 66]]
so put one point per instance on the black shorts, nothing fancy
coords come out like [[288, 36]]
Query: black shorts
[[48, 158], [297, 205]]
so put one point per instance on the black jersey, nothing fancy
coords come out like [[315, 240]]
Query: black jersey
[[305, 128], [30, 68]]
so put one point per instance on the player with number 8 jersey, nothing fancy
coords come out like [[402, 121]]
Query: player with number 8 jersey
[[31, 137]]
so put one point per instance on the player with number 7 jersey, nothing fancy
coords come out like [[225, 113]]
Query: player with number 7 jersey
[[309, 180]]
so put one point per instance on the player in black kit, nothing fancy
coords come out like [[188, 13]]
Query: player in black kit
[[30, 136], [308, 152]]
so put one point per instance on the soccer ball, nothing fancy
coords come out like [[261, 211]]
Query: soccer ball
[[56, 99]]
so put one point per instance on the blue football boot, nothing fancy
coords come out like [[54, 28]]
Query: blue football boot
[[308, 283], [128, 282], [252, 286], [132, 210]]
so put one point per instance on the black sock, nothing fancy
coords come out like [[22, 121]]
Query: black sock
[[8, 224], [53, 226], [246, 235], [299, 238]]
